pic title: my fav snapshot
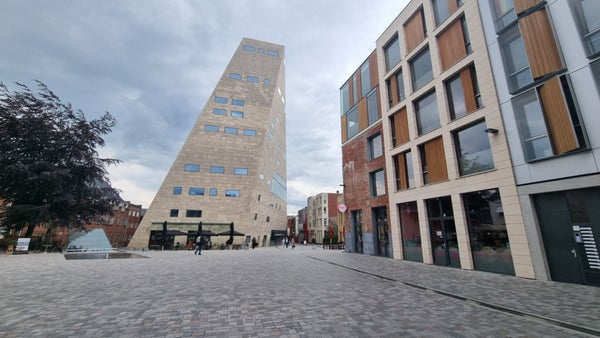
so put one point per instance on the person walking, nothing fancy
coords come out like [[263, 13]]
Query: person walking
[[199, 245], [287, 242]]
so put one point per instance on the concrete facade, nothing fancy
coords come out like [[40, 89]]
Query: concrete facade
[[232, 166]]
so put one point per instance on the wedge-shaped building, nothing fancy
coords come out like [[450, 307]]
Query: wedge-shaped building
[[232, 166]]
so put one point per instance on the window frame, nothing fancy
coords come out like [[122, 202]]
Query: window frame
[[377, 178], [393, 43], [375, 148], [461, 157], [417, 60], [419, 116]]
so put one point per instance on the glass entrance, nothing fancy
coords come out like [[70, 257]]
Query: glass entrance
[[444, 242], [381, 225]]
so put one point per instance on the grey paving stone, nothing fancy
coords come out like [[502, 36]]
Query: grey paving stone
[[278, 292]]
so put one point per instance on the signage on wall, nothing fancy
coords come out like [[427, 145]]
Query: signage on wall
[[342, 207]]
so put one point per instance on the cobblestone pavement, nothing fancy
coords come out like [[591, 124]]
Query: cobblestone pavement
[[274, 292]]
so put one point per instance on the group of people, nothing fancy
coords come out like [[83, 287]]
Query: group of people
[[287, 242]]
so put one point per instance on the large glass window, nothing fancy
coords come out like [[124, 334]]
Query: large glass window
[[473, 149], [365, 78], [515, 59], [352, 122], [504, 13], [192, 167], [443, 8], [532, 126], [375, 146], [392, 53], [344, 98], [420, 67], [426, 110], [490, 245], [373, 107], [377, 183], [463, 93], [588, 16], [411, 234], [196, 191], [595, 66]]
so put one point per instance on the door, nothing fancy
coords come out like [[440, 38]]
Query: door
[[443, 232], [570, 227], [382, 235], [357, 225]]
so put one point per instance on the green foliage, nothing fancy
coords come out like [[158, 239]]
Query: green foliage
[[51, 173]]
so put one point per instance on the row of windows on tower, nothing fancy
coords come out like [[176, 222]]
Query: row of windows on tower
[[260, 50], [249, 78], [195, 191], [215, 169]]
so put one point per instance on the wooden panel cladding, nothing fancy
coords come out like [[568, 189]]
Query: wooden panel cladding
[[373, 73], [414, 30], [400, 126], [401, 182], [522, 5], [540, 45], [436, 160], [451, 44], [560, 127], [466, 79], [393, 92], [344, 128], [358, 89], [363, 118]]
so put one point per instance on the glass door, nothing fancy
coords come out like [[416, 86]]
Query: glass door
[[444, 242]]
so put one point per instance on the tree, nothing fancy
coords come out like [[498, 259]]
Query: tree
[[50, 172]]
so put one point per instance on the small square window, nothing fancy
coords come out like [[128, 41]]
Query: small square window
[[232, 193], [196, 191], [174, 213], [249, 132], [237, 113], [230, 130], [237, 102], [220, 99], [219, 111], [253, 79], [240, 171], [192, 167], [177, 190], [235, 76], [249, 48], [217, 169], [211, 128], [212, 192], [193, 213]]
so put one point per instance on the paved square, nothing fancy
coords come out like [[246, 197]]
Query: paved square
[[274, 292]]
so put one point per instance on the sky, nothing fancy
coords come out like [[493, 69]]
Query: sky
[[154, 64]]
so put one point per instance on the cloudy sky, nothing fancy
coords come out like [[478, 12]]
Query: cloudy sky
[[153, 65]]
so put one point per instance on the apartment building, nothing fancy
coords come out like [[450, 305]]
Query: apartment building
[[545, 57], [450, 186], [321, 212], [232, 166], [364, 165]]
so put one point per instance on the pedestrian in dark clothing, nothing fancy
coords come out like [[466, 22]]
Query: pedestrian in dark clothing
[[254, 242], [199, 245]]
